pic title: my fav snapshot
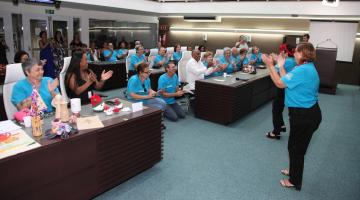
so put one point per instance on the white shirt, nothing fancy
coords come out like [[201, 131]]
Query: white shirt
[[242, 46], [95, 55], [195, 71]]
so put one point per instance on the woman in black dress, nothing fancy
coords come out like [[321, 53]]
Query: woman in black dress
[[80, 80]]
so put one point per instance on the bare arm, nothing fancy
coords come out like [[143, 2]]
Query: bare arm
[[273, 74], [74, 86]]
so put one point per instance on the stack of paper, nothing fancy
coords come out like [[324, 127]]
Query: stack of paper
[[8, 126], [16, 142]]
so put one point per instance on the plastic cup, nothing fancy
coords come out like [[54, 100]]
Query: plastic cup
[[27, 121], [75, 105]]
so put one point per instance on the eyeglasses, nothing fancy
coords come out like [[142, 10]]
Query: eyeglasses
[[148, 72], [143, 85]]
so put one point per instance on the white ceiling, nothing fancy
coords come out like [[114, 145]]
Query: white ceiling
[[227, 8]]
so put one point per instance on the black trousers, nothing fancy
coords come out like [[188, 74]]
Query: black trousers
[[277, 110], [303, 123]]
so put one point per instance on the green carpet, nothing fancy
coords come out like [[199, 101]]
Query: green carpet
[[204, 160]]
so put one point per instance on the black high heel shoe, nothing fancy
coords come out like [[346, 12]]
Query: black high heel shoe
[[283, 129], [271, 135]]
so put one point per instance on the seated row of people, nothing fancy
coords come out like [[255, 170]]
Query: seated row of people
[[139, 89], [80, 80]]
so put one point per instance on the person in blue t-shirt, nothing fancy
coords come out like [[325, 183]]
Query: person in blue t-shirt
[[255, 57], [177, 53], [235, 55], [278, 103], [136, 60], [46, 86], [244, 60], [110, 54], [122, 52], [209, 62], [227, 63], [168, 87], [160, 59], [301, 97], [139, 88]]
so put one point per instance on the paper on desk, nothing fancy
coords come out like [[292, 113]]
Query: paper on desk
[[8, 126], [220, 80], [137, 106], [18, 142], [84, 123]]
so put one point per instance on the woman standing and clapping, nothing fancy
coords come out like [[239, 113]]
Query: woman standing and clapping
[[301, 97]]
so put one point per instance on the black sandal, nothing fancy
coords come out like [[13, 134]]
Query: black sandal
[[271, 135]]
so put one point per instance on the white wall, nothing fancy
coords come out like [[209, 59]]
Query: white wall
[[84, 15]]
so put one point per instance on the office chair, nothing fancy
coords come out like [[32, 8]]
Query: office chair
[[62, 77], [130, 54], [186, 56], [14, 73]]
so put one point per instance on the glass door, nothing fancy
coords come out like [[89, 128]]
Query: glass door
[[7, 46], [34, 24], [63, 25]]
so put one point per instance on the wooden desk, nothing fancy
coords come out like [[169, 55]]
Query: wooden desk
[[225, 100], [118, 79], [88, 163]]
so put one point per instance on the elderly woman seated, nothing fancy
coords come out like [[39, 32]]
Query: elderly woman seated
[[255, 58], [227, 62], [46, 87]]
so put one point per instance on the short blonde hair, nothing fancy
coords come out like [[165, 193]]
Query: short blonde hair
[[207, 54]]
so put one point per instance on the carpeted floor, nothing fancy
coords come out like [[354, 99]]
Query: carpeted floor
[[204, 161]]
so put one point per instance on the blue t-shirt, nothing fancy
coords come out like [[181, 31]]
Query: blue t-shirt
[[237, 61], [229, 69], [136, 86], [160, 58], [113, 58], [289, 65], [121, 52], [302, 85], [245, 61], [169, 85], [257, 58], [23, 89], [135, 59], [177, 56], [88, 56]]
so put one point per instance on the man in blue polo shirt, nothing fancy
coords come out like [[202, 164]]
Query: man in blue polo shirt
[[161, 59], [110, 54], [137, 59], [168, 86]]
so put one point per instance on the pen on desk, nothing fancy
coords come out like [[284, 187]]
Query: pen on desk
[[31, 144]]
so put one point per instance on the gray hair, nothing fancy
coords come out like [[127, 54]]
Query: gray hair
[[28, 64], [227, 49]]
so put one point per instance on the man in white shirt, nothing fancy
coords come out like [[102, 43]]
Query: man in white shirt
[[196, 70], [242, 43]]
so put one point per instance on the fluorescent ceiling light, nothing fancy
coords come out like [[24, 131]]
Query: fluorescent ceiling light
[[119, 27], [292, 17], [242, 30], [332, 3]]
